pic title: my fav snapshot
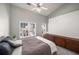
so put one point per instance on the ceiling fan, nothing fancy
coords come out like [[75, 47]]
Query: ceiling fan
[[38, 7]]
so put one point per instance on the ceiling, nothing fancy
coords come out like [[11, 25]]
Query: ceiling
[[50, 6]]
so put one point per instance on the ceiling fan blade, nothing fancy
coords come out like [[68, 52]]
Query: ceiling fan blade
[[28, 4], [34, 4], [44, 8], [31, 4]]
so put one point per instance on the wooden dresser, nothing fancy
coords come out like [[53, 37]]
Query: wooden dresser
[[66, 42]]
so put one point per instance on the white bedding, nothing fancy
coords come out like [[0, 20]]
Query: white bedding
[[51, 44], [18, 51]]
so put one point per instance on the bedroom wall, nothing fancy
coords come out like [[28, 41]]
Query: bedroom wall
[[65, 22], [4, 19], [19, 14]]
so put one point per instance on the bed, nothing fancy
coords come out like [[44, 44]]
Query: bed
[[31, 46], [35, 46]]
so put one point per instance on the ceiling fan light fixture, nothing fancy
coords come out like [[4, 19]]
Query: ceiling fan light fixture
[[44, 8], [36, 10], [34, 4], [39, 10]]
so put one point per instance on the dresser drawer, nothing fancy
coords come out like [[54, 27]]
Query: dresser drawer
[[60, 41], [49, 37], [72, 45]]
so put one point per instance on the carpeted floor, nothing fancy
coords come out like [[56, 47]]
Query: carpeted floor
[[63, 51]]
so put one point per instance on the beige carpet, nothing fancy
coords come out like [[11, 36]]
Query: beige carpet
[[63, 51]]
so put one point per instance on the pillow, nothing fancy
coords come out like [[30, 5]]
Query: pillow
[[14, 44], [5, 49], [2, 38], [8, 38], [5, 38]]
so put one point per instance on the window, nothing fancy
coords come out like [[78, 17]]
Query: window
[[27, 29]]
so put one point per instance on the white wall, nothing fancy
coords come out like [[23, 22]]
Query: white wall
[[65, 25], [19, 14], [4, 20]]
